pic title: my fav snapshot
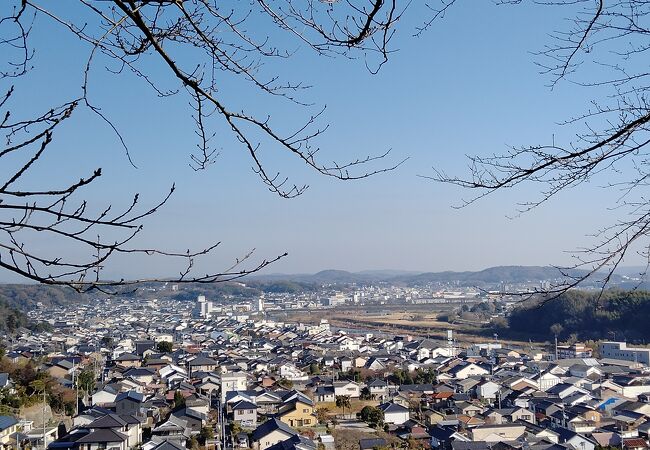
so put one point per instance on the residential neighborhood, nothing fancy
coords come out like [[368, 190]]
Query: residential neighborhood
[[165, 375]]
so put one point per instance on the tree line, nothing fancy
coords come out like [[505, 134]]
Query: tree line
[[11, 319], [612, 314]]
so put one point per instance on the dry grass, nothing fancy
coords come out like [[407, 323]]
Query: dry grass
[[414, 321], [356, 406], [346, 439]]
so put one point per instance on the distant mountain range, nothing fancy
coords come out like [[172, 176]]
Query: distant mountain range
[[489, 276], [26, 296]]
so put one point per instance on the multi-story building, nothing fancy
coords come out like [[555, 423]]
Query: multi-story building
[[573, 351], [620, 350]]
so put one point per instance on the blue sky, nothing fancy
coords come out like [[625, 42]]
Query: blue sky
[[467, 86]]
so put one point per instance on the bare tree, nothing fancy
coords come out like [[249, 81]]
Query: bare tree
[[202, 46], [608, 40]]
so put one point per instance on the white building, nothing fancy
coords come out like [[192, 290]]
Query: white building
[[394, 413], [203, 308], [291, 372], [335, 300], [620, 350], [234, 381]]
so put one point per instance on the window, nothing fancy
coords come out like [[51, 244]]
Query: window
[[307, 421], [305, 410]]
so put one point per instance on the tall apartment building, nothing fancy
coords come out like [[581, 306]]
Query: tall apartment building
[[203, 308]]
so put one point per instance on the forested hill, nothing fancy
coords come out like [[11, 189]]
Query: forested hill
[[617, 314], [26, 296], [11, 319], [492, 276]]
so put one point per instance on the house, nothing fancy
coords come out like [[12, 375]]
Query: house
[[127, 425], [142, 347], [61, 369], [104, 396], [37, 436], [509, 415], [297, 413], [195, 420], [70, 440], [346, 363], [234, 381], [325, 394], [497, 433], [465, 370], [268, 402], [234, 397], [378, 388], [373, 364], [627, 421], [174, 430], [487, 390], [202, 364], [128, 360], [8, 426], [104, 438], [574, 439], [467, 385], [5, 381], [564, 390], [468, 409], [245, 413], [416, 390], [165, 445], [442, 437], [198, 403], [359, 361], [129, 403], [296, 442], [394, 413], [289, 371], [546, 380], [538, 432], [171, 373], [433, 417], [347, 388], [270, 433], [141, 375], [413, 430]]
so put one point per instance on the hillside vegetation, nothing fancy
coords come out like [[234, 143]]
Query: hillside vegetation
[[11, 319], [26, 296], [616, 315]]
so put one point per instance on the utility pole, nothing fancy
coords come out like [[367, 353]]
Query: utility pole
[[44, 437], [556, 358], [75, 383]]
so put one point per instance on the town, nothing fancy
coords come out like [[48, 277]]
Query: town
[[167, 374], [324, 225]]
